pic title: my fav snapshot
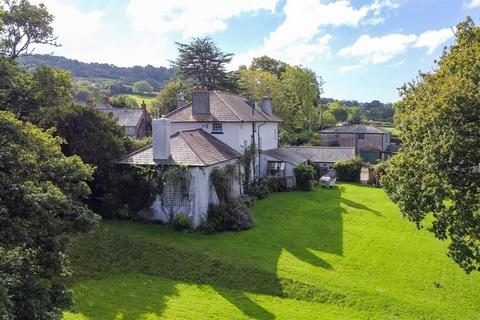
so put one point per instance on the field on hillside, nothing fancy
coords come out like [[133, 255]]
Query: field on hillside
[[329, 254], [139, 99]]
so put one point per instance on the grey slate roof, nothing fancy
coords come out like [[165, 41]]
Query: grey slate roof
[[126, 117], [224, 107], [297, 155], [325, 154], [353, 128], [194, 148], [286, 155]]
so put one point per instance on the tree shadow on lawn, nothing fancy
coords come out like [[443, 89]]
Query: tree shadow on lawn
[[301, 224]]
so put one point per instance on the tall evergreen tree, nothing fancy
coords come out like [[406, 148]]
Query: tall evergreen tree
[[202, 62]]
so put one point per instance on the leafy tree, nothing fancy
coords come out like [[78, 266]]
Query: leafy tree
[[354, 115], [53, 87], [90, 134], [24, 25], [202, 62], [302, 89], [142, 86], [24, 93], [339, 111], [436, 172], [123, 101], [166, 100], [40, 207], [270, 65]]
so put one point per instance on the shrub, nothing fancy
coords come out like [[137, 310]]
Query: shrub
[[263, 186], [182, 222], [304, 175], [232, 215], [349, 170]]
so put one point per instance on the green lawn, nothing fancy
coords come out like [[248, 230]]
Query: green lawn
[[329, 254], [394, 131]]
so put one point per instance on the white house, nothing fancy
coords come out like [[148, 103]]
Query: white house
[[213, 131]]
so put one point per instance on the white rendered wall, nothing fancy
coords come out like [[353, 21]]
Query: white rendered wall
[[201, 195]]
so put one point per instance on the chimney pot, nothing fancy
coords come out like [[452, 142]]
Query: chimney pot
[[144, 105], [161, 138]]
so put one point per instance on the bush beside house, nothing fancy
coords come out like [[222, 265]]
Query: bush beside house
[[349, 170], [304, 175]]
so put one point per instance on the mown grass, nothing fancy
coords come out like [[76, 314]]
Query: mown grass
[[329, 254]]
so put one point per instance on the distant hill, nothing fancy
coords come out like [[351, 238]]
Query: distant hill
[[156, 76]]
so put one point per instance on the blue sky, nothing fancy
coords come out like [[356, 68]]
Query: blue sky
[[363, 49]]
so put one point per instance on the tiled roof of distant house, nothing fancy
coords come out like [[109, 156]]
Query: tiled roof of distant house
[[325, 154], [224, 107], [195, 148], [126, 117], [353, 128]]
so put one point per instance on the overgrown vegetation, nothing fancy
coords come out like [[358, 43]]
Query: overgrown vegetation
[[231, 213], [304, 176], [349, 170]]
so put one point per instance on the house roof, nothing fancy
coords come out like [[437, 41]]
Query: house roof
[[286, 154], [125, 117], [224, 107], [193, 148], [297, 155], [354, 128], [325, 154]]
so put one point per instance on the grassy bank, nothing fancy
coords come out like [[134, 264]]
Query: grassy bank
[[332, 254]]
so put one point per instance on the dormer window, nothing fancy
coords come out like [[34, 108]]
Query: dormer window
[[217, 127]]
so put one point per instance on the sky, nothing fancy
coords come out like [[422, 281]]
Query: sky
[[363, 49]]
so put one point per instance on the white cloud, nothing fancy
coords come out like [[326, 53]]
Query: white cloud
[[190, 17], [433, 38], [474, 4], [72, 24], [349, 68], [378, 49], [299, 39]]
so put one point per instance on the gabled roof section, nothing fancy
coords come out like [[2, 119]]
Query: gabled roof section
[[224, 107], [193, 148], [125, 117], [354, 128]]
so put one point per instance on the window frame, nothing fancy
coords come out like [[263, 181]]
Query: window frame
[[217, 124]]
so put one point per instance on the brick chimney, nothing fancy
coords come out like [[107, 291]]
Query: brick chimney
[[200, 101], [90, 102], [144, 106], [180, 100], [161, 138], [106, 100]]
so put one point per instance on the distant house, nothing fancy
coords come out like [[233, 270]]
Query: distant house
[[136, 121], [371, 143]]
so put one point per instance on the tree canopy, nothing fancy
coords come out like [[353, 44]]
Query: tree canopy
[[40, 206], [90, 134], [142, 86], [436, 172], [23, 25], [166, 99], [202, 62]]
